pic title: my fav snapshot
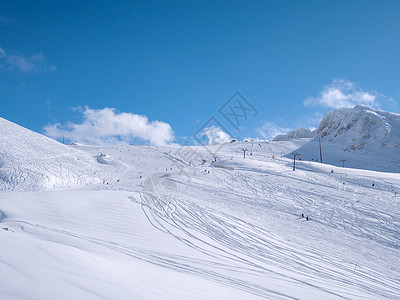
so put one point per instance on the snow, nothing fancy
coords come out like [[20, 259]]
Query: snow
[[136, 222], [362, 128], [366, 138], [30, 161]]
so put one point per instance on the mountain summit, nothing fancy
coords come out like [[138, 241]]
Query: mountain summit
[[361, 128], [362, 136]]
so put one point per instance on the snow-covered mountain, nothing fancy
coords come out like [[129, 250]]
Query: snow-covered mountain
[[172, 223], [361, 128], [31, 161], [298, 133], [364, 137]]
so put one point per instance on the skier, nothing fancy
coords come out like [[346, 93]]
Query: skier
[[307, 218], [302, 215]]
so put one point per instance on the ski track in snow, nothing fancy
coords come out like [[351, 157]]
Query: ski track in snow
[[245, 243], [235, 231]]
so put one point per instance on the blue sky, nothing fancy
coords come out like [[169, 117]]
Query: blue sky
[[171, 65]]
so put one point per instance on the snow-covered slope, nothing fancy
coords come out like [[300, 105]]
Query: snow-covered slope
[[31, 161], [172, 223], [295, 134]]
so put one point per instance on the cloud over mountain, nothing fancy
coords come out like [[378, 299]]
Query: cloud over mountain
[[342, 93]]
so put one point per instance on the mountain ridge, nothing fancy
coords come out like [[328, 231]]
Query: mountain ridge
[[364, 137]]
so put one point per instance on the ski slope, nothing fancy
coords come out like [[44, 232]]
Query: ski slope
[[30, 161], [136, 222]]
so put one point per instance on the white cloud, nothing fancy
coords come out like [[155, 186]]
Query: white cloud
[[26, 64], [216, 135], [342, 93], [108, 126], [269, 130]]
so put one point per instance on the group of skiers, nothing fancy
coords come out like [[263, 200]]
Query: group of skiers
[[302, 215]]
